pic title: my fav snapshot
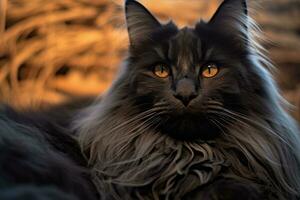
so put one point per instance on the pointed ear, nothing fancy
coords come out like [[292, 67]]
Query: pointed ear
[[232, 19], [140, 22]]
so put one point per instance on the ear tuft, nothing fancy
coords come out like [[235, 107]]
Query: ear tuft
[[140, 22], [232, 18]]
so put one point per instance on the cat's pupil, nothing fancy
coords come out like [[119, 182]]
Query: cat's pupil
[[209, 69], [161, 71]]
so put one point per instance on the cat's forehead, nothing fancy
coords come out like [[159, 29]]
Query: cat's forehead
[[185, 35], [184, 47]]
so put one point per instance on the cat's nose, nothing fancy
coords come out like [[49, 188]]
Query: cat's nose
[[185, 91]]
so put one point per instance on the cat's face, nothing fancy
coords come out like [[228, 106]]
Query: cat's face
[[188, 74]]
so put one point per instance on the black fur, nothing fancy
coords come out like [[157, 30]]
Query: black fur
[[226, 189], [40, 159]]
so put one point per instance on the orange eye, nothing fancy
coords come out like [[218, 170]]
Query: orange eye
[[161, 71], [210, 71]]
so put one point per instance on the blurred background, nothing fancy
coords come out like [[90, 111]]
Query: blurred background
[[56, 50]]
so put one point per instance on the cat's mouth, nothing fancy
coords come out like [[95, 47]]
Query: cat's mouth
[[188, 126]]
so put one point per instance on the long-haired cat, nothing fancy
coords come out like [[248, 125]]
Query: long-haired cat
[[193, 114]]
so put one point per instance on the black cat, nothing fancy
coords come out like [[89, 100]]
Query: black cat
[[194, 114]]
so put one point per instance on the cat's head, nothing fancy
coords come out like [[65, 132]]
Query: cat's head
[[190, 74]]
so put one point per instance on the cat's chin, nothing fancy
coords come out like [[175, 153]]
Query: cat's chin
[[190, 127]]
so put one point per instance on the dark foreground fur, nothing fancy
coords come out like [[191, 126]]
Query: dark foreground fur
[[39, 159]]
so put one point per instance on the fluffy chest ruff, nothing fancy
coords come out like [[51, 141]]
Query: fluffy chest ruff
[[153, 166], [130, 160]]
